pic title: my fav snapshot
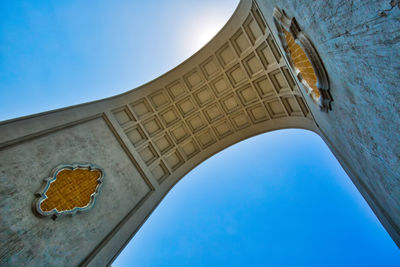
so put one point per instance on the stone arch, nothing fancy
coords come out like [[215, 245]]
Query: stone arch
[[145, 140]]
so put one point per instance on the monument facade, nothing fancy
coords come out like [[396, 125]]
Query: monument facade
[[328, 67]]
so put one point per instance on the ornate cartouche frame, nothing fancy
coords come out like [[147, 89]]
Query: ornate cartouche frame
[[282, 21], [41, 194]]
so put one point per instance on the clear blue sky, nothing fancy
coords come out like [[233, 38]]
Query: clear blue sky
[[242, 207], [58, 53], [247, 207]]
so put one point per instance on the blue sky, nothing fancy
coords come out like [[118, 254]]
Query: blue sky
[[59, 53], [247, 207], [241, 207]]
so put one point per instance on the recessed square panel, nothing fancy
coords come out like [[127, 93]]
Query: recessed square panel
[[160, 171], [190, 148], [152, 126], [176, 89], [226, 55], [220, 85], [291, 105], [148, 154], [252, 29], [253, 65], [169, 116], [203, 96], [264, 87], [230, 103], [164, 143], [123, 116], [196, 122], [288, 77], [247, 94], [174, 160], [279, 81], [236, 75], [179, 133], [302, 105], [275, 108], [210, 67], [266, 55], [223, 129], [159, 99], [193, 79], [240, 120], [240, 42], [186, 106], [213, 113], [274, 48], [136, 135], [206, 138], [258, 17], [257, 113], [141, 108]]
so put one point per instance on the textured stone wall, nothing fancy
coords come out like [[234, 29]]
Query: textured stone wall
[[27, 240], [359, 43]]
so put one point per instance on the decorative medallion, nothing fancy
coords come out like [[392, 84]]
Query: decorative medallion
[[304, 59], [69, 189]]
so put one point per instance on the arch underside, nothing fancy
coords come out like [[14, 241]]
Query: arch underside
[[239, 85]]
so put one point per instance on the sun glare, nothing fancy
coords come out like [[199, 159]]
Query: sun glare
[[202, 27], [204, 33]]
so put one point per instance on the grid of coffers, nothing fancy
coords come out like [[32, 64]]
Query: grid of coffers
[[245, 82]]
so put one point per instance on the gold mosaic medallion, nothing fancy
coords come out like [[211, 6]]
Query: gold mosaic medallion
[[302, 64], [69, 189], [304, 59]]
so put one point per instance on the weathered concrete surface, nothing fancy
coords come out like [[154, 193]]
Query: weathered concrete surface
[[359, 43], [66, 241]]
